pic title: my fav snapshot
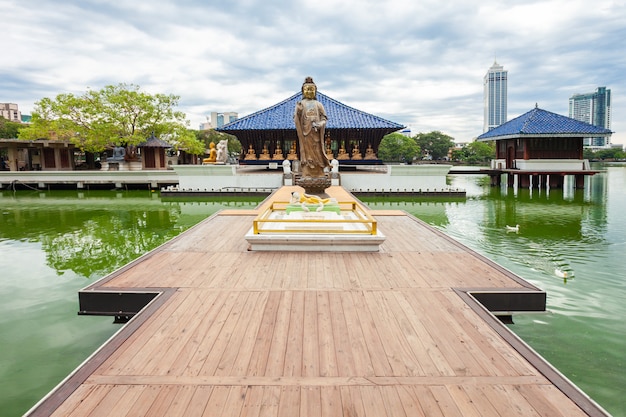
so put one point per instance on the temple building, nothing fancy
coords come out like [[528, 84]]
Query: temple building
[[36, 155], [269, 135], [540, 148]]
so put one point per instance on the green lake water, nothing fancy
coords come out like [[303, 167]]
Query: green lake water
[[54, 243], [579, 232]]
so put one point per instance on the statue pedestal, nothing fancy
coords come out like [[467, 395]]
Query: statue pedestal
[[134, 166], [314, 185], [324, 231]]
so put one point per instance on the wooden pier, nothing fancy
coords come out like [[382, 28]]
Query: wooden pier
[[232, 332]]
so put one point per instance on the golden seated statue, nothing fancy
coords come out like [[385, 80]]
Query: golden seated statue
[[251, 155], [212, 155], [369, 153], [292, 156], [356, 154], [265, 154], [278, 155], [342, 154]]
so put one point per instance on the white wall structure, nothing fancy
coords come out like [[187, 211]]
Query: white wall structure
[[552, 164], [544, 164], [399, 178], [216, 178]]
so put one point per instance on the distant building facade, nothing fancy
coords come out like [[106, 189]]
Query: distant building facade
[[218, 120], [495, 97], [593, 108], [11, 112]]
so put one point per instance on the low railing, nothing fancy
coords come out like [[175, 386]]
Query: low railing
[[353, 219]]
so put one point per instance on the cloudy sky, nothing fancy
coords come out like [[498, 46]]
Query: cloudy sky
[[418, 63]]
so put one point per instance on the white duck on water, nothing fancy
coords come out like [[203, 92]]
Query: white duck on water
[[560, 273], [512, 228]]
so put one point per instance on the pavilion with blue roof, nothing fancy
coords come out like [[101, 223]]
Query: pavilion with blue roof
[[541, 148], [352, 136]]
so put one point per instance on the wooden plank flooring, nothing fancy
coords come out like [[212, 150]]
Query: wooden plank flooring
[[314, 334]]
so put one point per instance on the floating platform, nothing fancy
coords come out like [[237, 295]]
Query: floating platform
[[219, 330]]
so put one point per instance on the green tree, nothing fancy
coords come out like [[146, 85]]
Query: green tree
[[9, 129], [395, 147], [120, 115], [211, 135], [479, 152], [611, 153], [458, 155], [435, 144], [588, 153]]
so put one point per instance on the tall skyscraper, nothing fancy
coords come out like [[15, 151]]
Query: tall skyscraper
[[495, 97], [593, 108]]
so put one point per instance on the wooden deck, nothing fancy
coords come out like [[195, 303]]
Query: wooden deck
[[241, 333]]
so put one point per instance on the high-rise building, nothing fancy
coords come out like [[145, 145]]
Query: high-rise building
[[593, 108], [495, 97], [218, 120], [11, 112]]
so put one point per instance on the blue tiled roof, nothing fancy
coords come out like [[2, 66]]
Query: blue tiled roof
[[280, 117], [542, 123]]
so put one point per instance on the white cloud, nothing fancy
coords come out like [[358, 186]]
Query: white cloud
[[419, 64]]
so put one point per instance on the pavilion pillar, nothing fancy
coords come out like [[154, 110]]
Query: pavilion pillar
[[580, 181], [12, 156], [536, 181], [510, 180]]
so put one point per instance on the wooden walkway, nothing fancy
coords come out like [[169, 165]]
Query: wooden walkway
[[242, 333]]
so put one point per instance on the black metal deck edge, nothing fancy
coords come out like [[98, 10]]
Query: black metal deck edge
[[122, 304], [528, 298], [47, 405]]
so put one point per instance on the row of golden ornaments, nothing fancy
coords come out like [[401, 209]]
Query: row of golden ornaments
[[292, 156]]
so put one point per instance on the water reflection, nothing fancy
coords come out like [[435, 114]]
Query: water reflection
[[94, 233], [51, 243]]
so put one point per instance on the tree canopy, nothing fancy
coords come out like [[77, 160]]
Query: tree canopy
[[435, 144], [476, 152], [602, 154], [398, 148], [116, 115], [9, 129]]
